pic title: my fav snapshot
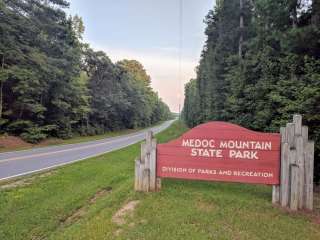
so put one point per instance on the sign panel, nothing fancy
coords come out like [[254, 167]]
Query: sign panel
[[220, 151]]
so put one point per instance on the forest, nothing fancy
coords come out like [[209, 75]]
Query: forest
[[260, 64], [52, 84]]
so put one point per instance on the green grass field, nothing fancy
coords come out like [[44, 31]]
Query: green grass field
[[79, 201]]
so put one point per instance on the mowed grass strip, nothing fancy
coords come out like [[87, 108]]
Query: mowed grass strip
[[79, 201]]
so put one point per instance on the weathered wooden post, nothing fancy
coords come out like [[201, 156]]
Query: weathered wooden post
[[297, 166], [145, 167]]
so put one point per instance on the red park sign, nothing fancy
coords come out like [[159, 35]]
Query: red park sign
[[220, 151]]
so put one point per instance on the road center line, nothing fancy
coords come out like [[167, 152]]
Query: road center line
[[65, 150]]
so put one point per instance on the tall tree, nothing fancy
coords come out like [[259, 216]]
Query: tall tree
[[274, 73], [53, 84]]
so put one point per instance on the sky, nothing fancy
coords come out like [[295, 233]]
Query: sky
[[149, 31]]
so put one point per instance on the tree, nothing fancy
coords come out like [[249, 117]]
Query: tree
[[190, 111], [41, 58], [260, 72], [53, 84], [147, 107]]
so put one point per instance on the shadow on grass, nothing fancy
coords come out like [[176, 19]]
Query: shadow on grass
[[246, 191]]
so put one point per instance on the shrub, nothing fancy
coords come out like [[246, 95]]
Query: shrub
[[35, 134]]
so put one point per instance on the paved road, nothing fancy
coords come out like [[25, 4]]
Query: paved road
[[19, 163]]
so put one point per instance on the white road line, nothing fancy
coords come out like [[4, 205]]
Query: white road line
[[61, 151], [62, 164]]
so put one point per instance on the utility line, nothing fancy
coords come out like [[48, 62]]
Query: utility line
[[180, 54]]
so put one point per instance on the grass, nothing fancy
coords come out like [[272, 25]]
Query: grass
[[181, 210], [77, 139]]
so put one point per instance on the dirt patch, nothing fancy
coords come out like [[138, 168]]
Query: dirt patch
[[11, 142], [49, 142], [100, 194], [19, 183], [120, 215], [118, 232], [80, 212], [25, 181]]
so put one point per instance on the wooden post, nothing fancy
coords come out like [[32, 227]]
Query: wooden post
[[309, 168], [143, 152], [153, 165], [275, 194], [277, 189], [158, 183], [290, 134], [284, 181], [300, 163], [297, 121], [145, 167], [146, 180], [294, 193], [149, 137], [137, 175], [297, 166]]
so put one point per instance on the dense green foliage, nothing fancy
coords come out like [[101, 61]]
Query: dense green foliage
[[260, 74], [52, 84]]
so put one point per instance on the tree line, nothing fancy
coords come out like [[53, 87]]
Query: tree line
[[260, 64], [53, 84]]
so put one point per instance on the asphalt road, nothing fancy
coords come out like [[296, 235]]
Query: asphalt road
[[19, 163]]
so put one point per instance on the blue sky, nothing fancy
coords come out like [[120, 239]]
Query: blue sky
[[148, 31]]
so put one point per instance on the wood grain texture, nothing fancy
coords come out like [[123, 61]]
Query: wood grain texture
[[285, 175], [290, 134], [301, 172], [297, 163], [136, 175], [153, 165], [146, 180], [294, 197], [297, 121], [275, 194], [309, 169], [145, 167]]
